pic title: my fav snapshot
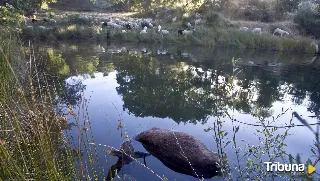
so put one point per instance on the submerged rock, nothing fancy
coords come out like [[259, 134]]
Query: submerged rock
[[181, 152]]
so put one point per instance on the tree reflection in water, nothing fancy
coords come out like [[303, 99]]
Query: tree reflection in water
[[150, 88], [185, 91]]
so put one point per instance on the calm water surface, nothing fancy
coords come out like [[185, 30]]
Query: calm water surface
[[187, 89]]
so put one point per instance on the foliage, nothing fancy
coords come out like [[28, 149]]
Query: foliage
[[8, 44], [215, 19], [261, 10], [256, 10], [26, 147], [77, 19], [216, 30], [222, 5], [9, 14], [271, 145], [33, 125], [150, 5], [283, 6], [12, 11], [308, 19], [315, 148], [214, 5], [26, 6]]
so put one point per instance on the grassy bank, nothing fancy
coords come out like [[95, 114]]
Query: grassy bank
[[33, 143], [26, 147], [216, 31], [6, 52]]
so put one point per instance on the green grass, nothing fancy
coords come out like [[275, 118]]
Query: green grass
[[33, 143], [8, 44], [203, 37], [217, 31], [27, 149]]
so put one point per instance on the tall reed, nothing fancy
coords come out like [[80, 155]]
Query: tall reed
[[33, 143]]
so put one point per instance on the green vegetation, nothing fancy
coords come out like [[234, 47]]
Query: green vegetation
[[218, 32], [8, 44], [8, 14], [214, 30], [33, 142], [34, 124], [308, 19], [47, 153], [23, 6]]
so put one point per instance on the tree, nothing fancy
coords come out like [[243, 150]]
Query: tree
[[283, 6], [150, 5], [308, 18], [26, 6]]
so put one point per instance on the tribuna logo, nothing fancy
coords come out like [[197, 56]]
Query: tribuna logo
[[278, 167]]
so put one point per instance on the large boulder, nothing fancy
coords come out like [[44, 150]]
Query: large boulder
[[181, 152]]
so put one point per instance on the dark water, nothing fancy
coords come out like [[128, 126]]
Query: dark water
[[188, 89]]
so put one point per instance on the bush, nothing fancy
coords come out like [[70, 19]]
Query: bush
[[253, 14], [309, 20], [79, 20], [214, 19], [9, 14], [256, 10], [283, 6], [258, 15]]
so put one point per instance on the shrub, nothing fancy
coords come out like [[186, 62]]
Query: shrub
[[308, 19], [258, 11], [253, 10], [79, 20], [214, 19], [9, 14], [259, 15], [283, 6]]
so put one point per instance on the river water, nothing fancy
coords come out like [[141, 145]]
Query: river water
[[196, 90]]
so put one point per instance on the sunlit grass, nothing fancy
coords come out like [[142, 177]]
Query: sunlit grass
[[71, 28]]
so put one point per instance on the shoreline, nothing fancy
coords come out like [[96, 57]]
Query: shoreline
[[213, 30], [203, 36]]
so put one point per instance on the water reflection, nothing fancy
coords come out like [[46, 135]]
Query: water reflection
[[126, 155], [196, 85], [152, 89]]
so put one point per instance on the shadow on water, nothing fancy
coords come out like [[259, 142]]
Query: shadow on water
[[192, 85]]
